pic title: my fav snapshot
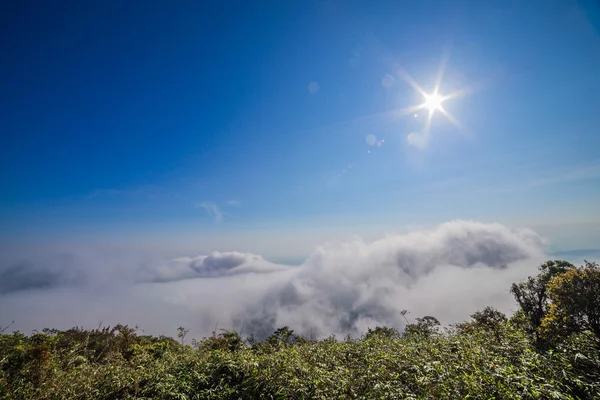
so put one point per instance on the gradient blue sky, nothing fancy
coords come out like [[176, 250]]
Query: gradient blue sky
[[199, 121]]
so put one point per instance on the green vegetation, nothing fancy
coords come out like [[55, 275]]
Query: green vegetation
[[550, 349]]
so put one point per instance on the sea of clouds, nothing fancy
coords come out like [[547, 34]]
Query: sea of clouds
[[342, 288]]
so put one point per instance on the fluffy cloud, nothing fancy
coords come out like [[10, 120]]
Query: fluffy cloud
[[214, 265], [341, 288], [449, 272], [27, 275]]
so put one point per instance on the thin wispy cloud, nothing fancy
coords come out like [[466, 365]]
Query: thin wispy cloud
[[574, 174], [468, 184], [212, 209], [234, 203]]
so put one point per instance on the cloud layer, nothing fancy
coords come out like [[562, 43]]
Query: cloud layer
[[342, 288], [214, 265]]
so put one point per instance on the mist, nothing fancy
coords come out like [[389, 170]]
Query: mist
[[342, 288]]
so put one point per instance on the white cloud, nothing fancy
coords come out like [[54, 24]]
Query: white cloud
[[213, 210], [214, 265], [342, 288], [449, 272]]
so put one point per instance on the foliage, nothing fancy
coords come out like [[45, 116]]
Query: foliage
[[575, 303], [532, 294], [488, 318], [382, 331], [450, 364], [488, 357], [227, 340], [425, 326], [284, 336]]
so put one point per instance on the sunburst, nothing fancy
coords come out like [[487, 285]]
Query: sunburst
[[432, 102]]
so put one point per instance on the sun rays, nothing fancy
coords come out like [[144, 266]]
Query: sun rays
[[432, 102]]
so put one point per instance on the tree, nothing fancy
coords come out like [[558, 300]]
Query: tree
[[284, 335], [2, 329], [575, 305], [226, 340], [489, 317], [382, 331], [532, 294], [425, 326], [181, 333]]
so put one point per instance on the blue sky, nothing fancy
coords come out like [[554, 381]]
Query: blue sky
[[243, 124]]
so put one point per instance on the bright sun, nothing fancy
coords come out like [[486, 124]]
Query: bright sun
[[433, 101]]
